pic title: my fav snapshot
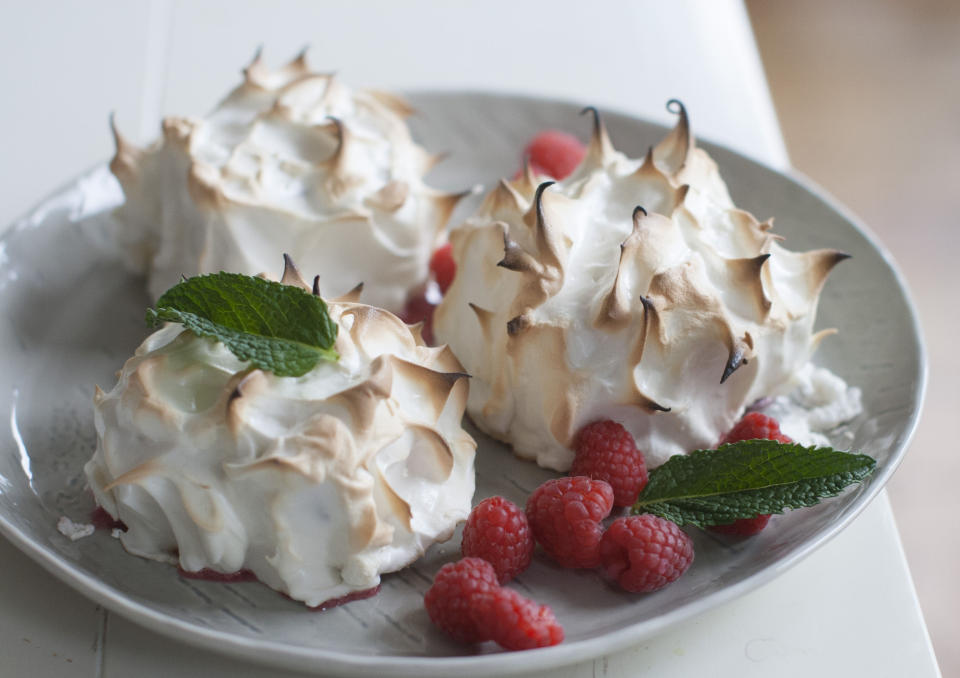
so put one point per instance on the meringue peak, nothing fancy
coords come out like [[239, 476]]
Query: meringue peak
[[600, 151], [674, 149]]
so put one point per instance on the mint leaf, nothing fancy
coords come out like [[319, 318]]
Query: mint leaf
[[275, 327], [746, 479]]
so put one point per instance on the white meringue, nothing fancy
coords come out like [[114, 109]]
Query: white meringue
[[74, 531], [818, 404], [634, 290], [317, 484], [290, 161]]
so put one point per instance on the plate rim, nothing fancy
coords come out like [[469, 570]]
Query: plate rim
[[274, 654]]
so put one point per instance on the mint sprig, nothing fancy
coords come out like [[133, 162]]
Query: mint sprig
[[746, 479], [276, 327]]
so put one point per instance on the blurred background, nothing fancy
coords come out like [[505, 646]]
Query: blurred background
[[868, 101]]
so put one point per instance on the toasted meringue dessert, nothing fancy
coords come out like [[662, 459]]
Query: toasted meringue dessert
[[633, 290], [316, 484], [290, 161]]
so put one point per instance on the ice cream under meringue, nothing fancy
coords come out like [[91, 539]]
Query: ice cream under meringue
[[316, 484], [633, 290], [290, 161]]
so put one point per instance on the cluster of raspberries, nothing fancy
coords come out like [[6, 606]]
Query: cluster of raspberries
[[564, 515], [642, 553]]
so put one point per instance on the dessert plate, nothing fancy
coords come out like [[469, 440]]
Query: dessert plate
[[73, 314]]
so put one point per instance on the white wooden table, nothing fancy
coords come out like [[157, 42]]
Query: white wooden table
[[847, 610]]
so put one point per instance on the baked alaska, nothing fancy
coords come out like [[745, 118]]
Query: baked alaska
[[633, 290], [290, 161], [316, 484]]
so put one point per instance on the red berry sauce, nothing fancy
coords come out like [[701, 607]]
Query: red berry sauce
[[343, 600], [242, 576], [102, 520], [224, 577]]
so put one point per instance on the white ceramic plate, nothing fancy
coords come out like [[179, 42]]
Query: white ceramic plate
[[72, 315]]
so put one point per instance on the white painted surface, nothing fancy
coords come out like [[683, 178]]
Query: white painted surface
[[64, 66]]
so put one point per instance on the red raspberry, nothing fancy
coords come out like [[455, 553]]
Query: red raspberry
[[468, 604], [645, 553], [754, 425], [745, 527], [443, 267], [565, 515], [497, 531], [607, 451], [515, 622], [456, 589], [419, 309], [555, 153]]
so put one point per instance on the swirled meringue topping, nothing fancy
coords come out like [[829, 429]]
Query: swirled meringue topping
[[316, 484], [634, 290], [290, 161]]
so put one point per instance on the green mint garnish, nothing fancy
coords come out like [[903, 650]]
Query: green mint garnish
[[276, 327], [746, 479]]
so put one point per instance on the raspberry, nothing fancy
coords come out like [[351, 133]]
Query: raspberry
[[515, 622], [443, 267], [468, 604], [555, 153], [645, 553], [607, 451], [565, 515], [456, 589], [753, 425], [745, 527], [418, 309], [497, 531]]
